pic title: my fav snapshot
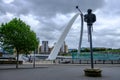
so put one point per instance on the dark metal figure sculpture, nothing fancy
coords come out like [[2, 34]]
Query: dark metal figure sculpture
[[90, 18]]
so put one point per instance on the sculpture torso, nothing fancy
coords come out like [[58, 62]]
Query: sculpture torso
[[90, 18]]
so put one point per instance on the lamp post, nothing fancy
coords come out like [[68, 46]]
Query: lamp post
[[34, 58], [81, 31]]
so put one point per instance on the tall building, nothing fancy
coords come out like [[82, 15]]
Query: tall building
[[64, 48], [44, 47]]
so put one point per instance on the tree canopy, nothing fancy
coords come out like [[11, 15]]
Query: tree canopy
[[17, 34]]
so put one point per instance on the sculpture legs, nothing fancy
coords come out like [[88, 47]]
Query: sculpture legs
[[91, 51]]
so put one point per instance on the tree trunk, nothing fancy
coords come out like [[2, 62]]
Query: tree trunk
[[17, 62]]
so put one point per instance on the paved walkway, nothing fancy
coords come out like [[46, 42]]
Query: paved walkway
[[57, 72]]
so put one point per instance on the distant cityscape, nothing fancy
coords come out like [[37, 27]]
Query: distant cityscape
[[45, 49]]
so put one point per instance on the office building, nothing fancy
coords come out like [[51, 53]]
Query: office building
[[44, 47]]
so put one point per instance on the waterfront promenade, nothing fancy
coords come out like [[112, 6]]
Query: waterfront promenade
[[57, 72]]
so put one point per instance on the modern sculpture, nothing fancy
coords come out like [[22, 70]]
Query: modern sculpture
[[90, 18]]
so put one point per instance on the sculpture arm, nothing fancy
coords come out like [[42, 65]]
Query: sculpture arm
[[94, 17], [85, 18]]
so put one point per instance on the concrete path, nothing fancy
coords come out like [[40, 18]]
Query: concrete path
[[57, 72]]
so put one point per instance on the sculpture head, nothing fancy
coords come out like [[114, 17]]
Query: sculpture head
[[89, 11]]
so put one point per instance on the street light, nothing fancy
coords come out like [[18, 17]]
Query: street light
[[81, 34]]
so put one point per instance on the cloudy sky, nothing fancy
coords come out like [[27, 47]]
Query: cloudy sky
[[48, 18]]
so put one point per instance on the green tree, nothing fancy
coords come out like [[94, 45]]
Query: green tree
[[17, 34]]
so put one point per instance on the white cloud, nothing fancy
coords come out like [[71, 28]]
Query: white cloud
[[30, 20], [60, 19], [6, 17], [49, 18], [8, 1]]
